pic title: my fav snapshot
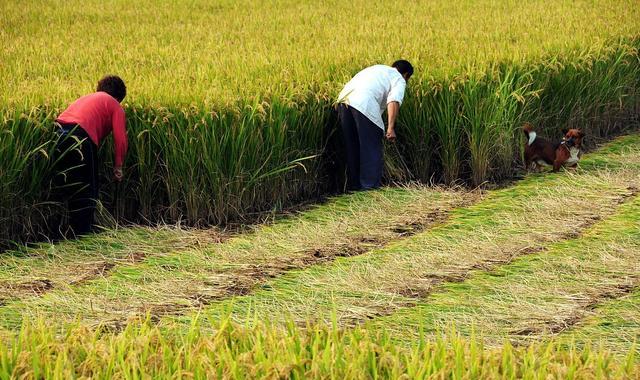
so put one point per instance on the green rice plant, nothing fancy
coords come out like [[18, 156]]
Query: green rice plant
[[491, 112], [223, 349], [26, 150], [180, 165], [592, 93], [416, 140], [445, 111]]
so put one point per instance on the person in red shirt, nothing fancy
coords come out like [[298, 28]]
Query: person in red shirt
[[81, 129]]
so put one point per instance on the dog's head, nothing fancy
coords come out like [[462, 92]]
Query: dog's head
[[573, 137]]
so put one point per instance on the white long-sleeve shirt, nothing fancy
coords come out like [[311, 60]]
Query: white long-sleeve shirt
[[372, 89]]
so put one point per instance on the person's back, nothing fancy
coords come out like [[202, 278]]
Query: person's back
[[369, 90], [98, 114]]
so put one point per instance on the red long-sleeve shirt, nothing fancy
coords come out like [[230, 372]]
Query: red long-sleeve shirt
[[98, 114]]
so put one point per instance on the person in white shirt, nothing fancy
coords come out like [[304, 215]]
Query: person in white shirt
[[361, 104]]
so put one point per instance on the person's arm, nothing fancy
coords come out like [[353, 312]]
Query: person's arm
[[120, 144], [392, 113], [394, 100]]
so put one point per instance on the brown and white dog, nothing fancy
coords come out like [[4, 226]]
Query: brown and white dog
[[540, 151]]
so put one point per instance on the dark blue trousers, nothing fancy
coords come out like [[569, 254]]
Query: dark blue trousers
[[363, 143], [76, 179]]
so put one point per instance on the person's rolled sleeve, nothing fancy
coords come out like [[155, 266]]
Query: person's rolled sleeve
[[396, 94]]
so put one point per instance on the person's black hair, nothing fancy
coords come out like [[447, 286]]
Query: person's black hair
[[114, 86], [403, 66]]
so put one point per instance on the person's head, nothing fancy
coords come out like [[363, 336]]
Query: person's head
[[114, 86], [404, 68]]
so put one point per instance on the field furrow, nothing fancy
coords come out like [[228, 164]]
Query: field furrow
[[174, 282], [525, 220]]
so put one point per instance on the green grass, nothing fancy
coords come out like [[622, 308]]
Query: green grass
[[541, 294], [614, 324]]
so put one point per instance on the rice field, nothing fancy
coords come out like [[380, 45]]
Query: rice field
[[230, 251], [230, 120]]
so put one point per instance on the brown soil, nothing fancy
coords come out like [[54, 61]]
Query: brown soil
[[95, 270], [34, 288], [415, 226], [157, 311]]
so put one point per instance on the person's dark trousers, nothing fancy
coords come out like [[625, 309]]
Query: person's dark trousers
[[363, 143], [76, 178]]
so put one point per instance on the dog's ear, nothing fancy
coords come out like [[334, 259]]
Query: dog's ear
[[580, 133]]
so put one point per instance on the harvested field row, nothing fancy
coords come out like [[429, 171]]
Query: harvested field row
[[169, 282], [614, 324], [23, 272], [539, 295], [526, 219]]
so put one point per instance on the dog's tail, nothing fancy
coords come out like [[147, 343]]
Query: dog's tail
[[527, 128]]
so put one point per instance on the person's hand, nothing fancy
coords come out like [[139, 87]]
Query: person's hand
[[391, 135], [117, 174]]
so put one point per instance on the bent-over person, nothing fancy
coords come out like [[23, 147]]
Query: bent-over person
[[82, 127], [362, 102]]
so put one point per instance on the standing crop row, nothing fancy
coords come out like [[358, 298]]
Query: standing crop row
[[214, 167]]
